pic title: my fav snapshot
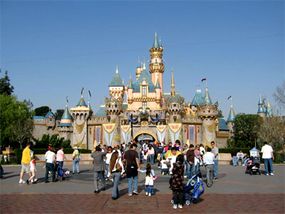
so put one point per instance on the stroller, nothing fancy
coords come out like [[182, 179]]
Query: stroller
[[253, 164], [193, 189]]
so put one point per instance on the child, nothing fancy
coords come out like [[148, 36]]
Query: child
[[33, 171], [164, 166], [176, 182], [149, 180]]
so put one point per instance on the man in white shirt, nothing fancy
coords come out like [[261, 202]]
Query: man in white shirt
[[208, 160], [50, 162], [267, 156], [59, 162]]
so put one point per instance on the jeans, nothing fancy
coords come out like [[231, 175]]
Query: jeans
[[59, 167], [150, 159], [268, 166], [235, 160], [190, 169], [115, 190], [215, 168], [99, 175], [149, 189], [131, 181], [50, 168], [107, 174], [75, 165]]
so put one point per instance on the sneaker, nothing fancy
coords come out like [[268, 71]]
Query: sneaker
[[135, 193], [146, 193], [21, 181], [174, 206], [266, 174], [180, 206], [271, 174], [149, 194], [130, 194]]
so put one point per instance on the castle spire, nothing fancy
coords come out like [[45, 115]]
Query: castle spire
[[156, 42], [232, 114], [207, 97], [172, 84]]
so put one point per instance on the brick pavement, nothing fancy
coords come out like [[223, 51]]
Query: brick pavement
[[102, 203]]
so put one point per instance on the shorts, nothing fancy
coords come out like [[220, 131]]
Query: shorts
[[25, 168]]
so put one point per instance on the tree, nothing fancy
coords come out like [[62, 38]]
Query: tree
[[16, 121], [246, 128], [272, 130], [279, 95], [42, 111], [58, 114], [5, 87], [54, 140]]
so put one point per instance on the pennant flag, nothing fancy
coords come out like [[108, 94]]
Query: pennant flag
[[89, 93], [230, 97], [67, 99], [82, 90], [204, 79]]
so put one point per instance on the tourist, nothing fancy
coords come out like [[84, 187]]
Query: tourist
[[240, 157], [50, 164], [75, 160], [132, 166], [176, 182], [116, 169], [209, 163], [215, 151], [268, 157], [150, 154], [149, 180], [59, 162], [99, 168], [190, 158], [26, 159], [107, 162], [197, 159], [202, 150], [33, 179]]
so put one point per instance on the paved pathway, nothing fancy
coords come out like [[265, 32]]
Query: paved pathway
[[234, 192]]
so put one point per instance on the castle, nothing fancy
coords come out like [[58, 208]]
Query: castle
[[141, 110]]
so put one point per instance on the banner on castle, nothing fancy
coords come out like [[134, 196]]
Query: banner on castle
[[109, 130], [161, 132], [126, 133], [191, 131], [174, 131], [97, 135]]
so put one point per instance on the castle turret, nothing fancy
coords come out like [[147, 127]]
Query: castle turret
[[116, 87], [261, 111], [65, 125], [156, 65], [80, 115], [172, 84], [269, 112], [208, 113], [230, 121]]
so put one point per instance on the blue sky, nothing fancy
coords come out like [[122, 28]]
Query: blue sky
[[52, 49]]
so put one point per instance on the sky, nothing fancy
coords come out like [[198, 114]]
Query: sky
[[51, 49]]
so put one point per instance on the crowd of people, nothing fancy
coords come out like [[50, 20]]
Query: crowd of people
[[128, 160]]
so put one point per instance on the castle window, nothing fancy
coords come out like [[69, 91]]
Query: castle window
[[144, 90]]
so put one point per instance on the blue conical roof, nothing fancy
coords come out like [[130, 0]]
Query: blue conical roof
[[198, 98], [207, 97], [81, 102], [231, 116], [261, 106], [145, 76], [117, 80], [269, 112], [49, 114], [66, 115]]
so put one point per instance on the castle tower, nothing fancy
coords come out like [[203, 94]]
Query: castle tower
[[65, 125], [172, 85], [230, 121], [208, 113], [269, 112], [116, 87], [261, 111], [80, 115], [156, 65]]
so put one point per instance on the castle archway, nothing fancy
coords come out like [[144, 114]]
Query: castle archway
[[147, 135]]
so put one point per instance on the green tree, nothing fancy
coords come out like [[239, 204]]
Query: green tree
[[53, 140], [5, 86], [58, 114], [246, 128], [42, 110], [16, 121]]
